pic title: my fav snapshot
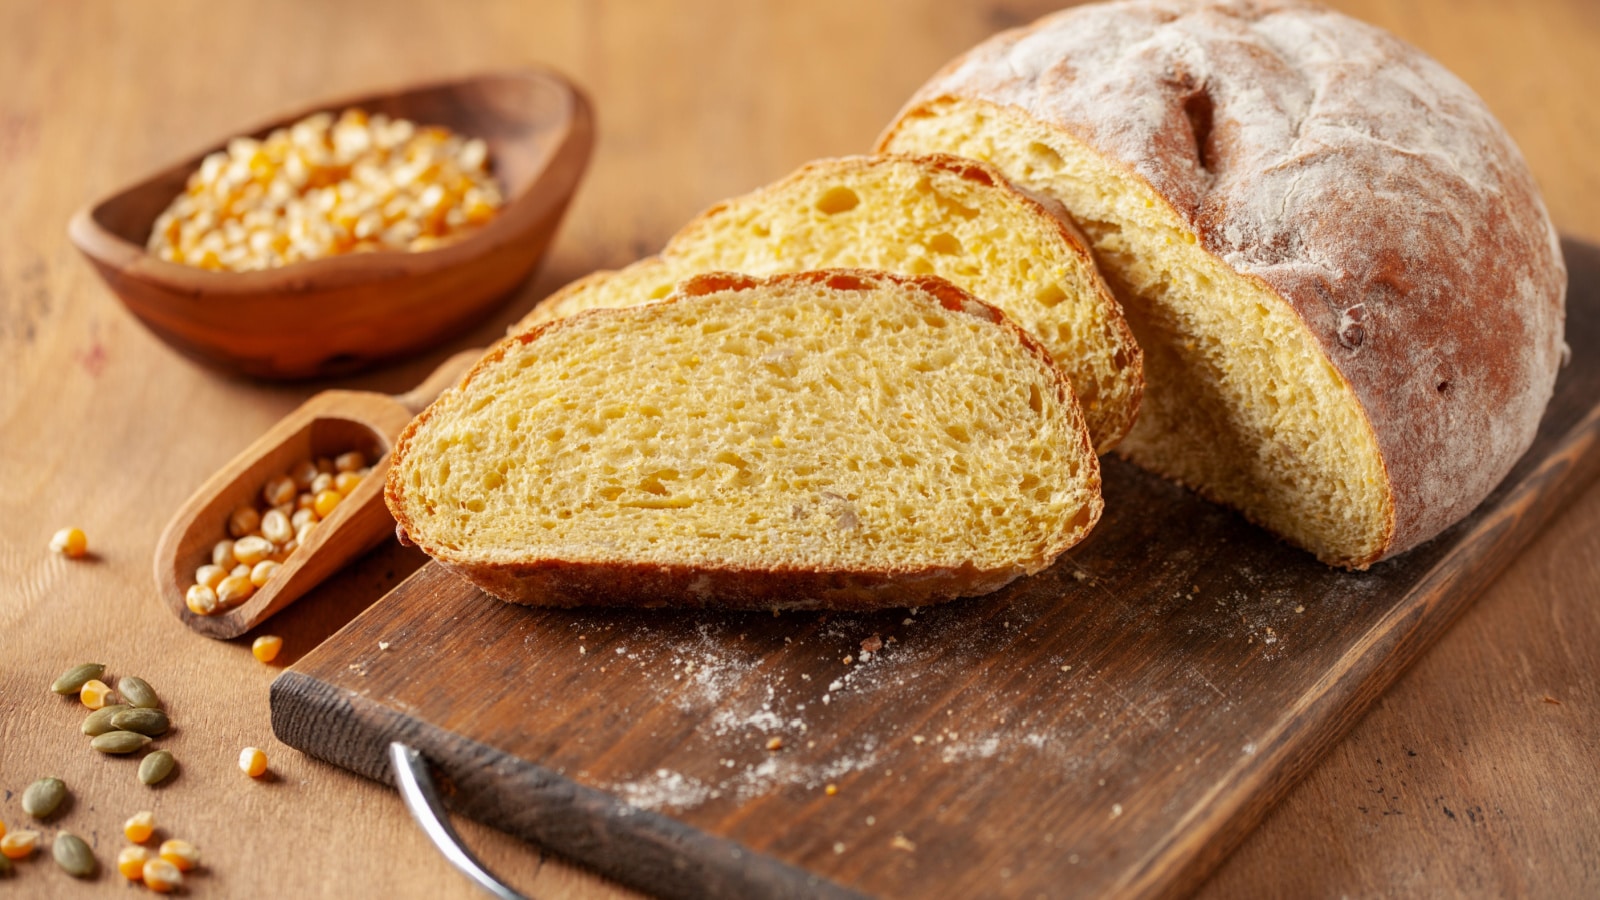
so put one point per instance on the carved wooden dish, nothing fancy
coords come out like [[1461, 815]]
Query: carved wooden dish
[[340, 314]]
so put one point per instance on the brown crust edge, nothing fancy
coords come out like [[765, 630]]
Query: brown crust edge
[[555, 582]]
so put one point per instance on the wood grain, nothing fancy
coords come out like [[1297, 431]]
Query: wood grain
[[370, 307], [102, 426], [1115, 724]]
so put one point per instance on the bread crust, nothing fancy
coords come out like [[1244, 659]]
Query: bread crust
[[621, 582], [1351, 175], [1112, 426]]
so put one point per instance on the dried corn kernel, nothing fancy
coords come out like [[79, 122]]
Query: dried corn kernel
[[326, 502], [278, 490], [19, 844], [161, 876], [352, 461], [180, 853], [2, 829], [262, 573], [139, 826], [345, 482], [210, 575], [266, 647], [324, 467], [239, 571], [323, 482], [302, 516], [234, 590], [252, 762], [130, 862], [201, 600], [244, 520], [70, 542], [222, 554], [252, 549], [302, 474], [275, 526], [94, 693]]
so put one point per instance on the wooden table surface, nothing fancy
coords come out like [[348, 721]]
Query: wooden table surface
[[1475, 775]]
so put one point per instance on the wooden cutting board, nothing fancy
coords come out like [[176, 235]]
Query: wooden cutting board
[[1115, 724]]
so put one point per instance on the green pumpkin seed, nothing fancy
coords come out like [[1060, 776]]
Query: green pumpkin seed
[[73, 679], [138, 693], [43, 796], [73, 855], [155, 768], [119, 742], [99, 721], [152, 722]]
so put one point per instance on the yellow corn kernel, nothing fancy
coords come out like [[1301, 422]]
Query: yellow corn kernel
[[323, 482], [210, 575], [302, 473], [262, 573], [70, 542], [139, 826], [2, 829], [222, 554], [350, 462], [94, 693], [244, 520], [19, 844], [130, 862], [252, 762], [304, 502], [345, 482], [266, 647], [302, 516], [201, 600], [180, 853], [278, 490], [161, 876], [326, 501], [234, 590], [252, 549], [239, 571], [275, 526]]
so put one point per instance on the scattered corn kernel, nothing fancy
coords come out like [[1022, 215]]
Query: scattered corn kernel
[[19, 844], [234, 590], [266, 649], [831, 790], [222, 554], [278, 490], [262, 573], [139, 826], [252, 549], [302, 533], [243, 521], [180, 853], [130, 862], [302, 473], [201, 600], [161, 876], [2, 829], [326, 502], [323, 482], [276, 527], [94, 693], [302, 516], [252, 762], [345, 482], [352, 461], [210, 575], [70, 542]]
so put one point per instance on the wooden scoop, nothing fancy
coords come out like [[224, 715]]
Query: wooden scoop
[[328, 424]]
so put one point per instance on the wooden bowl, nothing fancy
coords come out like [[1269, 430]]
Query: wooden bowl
[[340, 314]]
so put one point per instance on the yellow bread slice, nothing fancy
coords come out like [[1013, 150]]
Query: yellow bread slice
[[928, 215], [838, 439]]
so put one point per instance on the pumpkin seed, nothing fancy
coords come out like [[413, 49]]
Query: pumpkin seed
[[138, 693], [152, 722], [73, 855], [119, 742], [73, 679], [155, 768], [43, 796], [99, 721]]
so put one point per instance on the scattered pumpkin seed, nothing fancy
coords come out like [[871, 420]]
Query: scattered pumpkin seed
[[155, 768], [73, 855], [138, 693], [73, 679], [43, 796], [99, 721], [152, 722], [120, 742]]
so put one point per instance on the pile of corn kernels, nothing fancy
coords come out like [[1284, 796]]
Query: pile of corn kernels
[[260, 539], [327, 186]]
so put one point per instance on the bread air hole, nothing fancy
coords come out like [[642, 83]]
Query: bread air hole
[[837, 199]]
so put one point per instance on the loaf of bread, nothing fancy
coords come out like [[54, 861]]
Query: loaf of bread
[[1347, 288], [836, 439], [937, 215]]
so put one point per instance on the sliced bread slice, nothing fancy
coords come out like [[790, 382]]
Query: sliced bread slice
[[928, 215], [836, 439]]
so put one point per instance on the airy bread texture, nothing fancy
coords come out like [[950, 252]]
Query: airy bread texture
[[932, 215], [1347, 288], [837, 439]]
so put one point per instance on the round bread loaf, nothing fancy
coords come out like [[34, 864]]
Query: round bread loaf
[[1347, 288]]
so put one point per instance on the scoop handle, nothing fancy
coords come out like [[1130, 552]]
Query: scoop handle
[[444, 377]]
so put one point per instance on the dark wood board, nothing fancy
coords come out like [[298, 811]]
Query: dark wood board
[[1113, 725]]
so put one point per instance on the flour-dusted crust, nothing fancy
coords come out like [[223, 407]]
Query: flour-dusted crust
[[561, 582], [1351, 174]]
